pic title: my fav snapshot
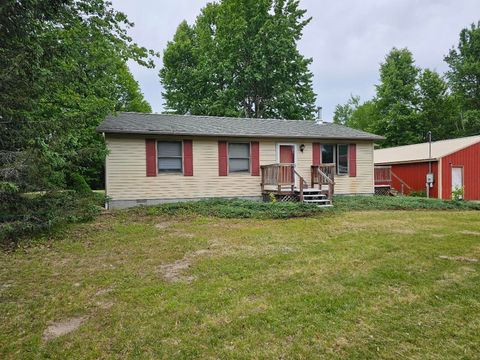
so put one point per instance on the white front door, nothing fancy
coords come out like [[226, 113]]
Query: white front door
[[457, 178]]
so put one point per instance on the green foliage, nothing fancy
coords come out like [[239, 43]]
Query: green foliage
[[457, 193], [235, 209], [397, 98], [418, 193], [464, 77], [40, 213], [77, 183], [343, 113], [240, 59], [437, 108], [62, 70], [272, 197], [349, 203]]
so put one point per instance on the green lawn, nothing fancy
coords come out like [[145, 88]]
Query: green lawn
[[368, 284]]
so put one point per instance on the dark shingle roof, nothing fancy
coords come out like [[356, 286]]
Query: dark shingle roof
[[191, 125]]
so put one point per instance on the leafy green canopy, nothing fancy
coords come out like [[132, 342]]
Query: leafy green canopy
[[410, 101], [240, 58], [62, 70], [464, 77]]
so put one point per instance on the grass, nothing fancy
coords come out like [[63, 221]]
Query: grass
[[368, 284]]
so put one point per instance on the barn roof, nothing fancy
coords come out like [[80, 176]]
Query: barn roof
[[419, 152], [191, 125]]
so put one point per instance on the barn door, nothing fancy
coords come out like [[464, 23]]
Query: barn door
[[457, 178]]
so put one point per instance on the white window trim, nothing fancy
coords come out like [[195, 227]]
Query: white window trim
[[243, 172], [182, 157]]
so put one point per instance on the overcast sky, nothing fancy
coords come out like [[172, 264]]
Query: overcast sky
[[347, 39]]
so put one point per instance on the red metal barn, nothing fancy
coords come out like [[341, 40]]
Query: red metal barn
[[455, 164]]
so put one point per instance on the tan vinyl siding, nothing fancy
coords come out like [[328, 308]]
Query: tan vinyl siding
[[126, 171]]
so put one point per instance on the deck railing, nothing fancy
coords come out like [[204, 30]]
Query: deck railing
[[283, 177], [383, 176], [324, 174]]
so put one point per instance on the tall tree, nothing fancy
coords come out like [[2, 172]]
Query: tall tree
[[437, 109], [464, 77], [240, 58], [63, 69], [397, 99]]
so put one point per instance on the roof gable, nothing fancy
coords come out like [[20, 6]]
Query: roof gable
[[191, 125]]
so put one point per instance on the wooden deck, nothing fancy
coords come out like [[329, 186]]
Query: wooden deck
[[383, 176], [284, 183]]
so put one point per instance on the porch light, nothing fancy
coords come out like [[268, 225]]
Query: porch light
[[302, 147]]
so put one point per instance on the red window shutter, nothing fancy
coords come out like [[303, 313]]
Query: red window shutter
[[352, 160], [222, 158], [187, 158], [151, 156], [255, 157], [317, 154]]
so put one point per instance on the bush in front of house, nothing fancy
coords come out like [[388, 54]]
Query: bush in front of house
[[347, 203], [32, 214], [236, 208]]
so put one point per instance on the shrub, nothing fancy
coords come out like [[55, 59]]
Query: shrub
[[39, 213], [458, 193], [400, 203], [77, 183], [418, 193], [236, 208]]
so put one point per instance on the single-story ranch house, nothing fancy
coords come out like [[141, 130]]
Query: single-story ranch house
[[155, 158], [454, 163]]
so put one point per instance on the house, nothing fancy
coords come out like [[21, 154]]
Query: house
[[455, 164], [156, 158]]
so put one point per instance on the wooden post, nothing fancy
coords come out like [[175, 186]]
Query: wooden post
[[301, 190]]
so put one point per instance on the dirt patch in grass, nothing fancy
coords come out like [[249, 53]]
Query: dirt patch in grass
[[164, 224], [63, 327], [175, 272], [469, 232], [458, 258]]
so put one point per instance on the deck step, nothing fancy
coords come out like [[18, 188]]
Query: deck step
[[326, 201]]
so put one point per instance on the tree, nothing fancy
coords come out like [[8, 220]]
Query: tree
[[63, 69], [464, 77], [343, 113], [240, 58], [437, 108], [365, 116], [397, 99]]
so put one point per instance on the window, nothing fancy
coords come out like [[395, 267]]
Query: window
[[328, 154], [238, 157], [342, 159], [169, 156]]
